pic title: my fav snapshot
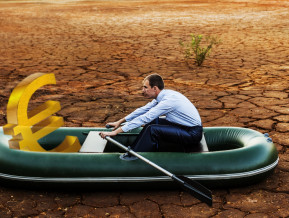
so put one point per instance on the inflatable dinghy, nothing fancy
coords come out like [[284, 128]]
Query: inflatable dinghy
[[236, 157]]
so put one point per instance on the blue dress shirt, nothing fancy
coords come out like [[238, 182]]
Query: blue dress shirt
[[175, 106]]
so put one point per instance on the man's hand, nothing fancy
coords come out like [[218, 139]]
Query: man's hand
[[104, 134], [113, 133], [116, 124]]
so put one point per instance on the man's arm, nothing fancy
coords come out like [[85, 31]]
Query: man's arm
[[132, 115], [162, 108], [113, 133], [117, 123], [138, 112]]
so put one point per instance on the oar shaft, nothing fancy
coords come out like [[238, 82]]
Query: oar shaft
[[139, 156], [193, 187]]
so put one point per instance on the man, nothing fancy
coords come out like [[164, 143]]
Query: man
[[182, 124]]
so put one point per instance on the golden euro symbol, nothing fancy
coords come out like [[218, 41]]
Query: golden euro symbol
[[27, 127]]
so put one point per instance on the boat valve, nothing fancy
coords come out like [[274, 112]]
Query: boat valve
[[269, 139]]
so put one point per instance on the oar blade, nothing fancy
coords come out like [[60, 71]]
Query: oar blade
[[196, 184], [195, 189]]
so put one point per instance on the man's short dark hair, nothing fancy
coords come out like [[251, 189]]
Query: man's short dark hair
[[155, 80]]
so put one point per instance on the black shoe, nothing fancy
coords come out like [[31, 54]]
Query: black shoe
[[128, 157]]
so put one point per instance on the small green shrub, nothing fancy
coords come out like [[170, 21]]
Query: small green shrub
[[195, 48]]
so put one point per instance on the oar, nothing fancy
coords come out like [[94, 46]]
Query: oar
[[194, 188]]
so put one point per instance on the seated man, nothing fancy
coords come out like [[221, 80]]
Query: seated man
[[182, 124]]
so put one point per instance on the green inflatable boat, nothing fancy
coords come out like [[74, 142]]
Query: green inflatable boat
[[236, 156]]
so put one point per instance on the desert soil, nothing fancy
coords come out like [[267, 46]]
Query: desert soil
[[100, 51]]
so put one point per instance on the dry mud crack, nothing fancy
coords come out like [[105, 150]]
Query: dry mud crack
[[100, 51]]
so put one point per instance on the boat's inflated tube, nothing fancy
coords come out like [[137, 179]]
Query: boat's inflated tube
[[237, 156]]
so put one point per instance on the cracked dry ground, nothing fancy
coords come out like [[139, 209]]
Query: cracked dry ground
[[100, 52]]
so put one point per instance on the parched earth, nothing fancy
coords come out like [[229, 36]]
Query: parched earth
[[100, 51]]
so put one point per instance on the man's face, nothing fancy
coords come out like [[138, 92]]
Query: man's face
[[148, 91]]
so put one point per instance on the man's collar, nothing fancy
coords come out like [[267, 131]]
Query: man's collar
[[160, 95]]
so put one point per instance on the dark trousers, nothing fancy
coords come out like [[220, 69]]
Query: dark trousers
[[156, 135]]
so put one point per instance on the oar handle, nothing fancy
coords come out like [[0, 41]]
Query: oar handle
[[108, 126]]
